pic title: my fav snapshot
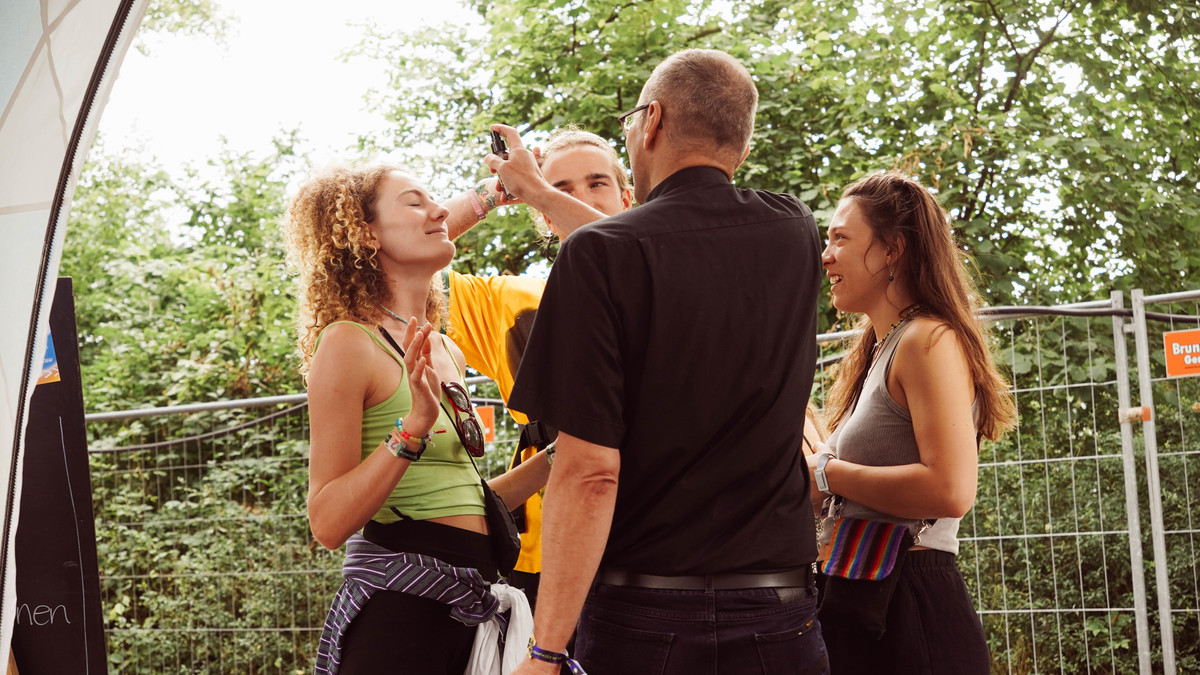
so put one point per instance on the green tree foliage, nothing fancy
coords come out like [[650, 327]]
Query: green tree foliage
[[1062, 136], [182, 290], [182, 296], [207, 562]]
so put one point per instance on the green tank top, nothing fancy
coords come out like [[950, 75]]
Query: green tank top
[[443, 482]]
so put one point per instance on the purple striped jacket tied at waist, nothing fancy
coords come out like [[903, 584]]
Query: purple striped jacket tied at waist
[[369, 568]]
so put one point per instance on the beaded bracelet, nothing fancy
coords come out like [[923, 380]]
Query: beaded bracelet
[[406, 436], [400, 450], [557, 658]]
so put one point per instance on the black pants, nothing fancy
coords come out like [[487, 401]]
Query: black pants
[[627, 630], [397, 632], [932, 628]]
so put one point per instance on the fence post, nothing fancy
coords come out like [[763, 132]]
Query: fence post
[[1132, 508], [1150, 438]]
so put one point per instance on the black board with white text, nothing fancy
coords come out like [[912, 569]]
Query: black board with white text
[[59, 622]]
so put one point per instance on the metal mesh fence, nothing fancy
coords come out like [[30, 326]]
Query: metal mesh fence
[[1046, 550], [1172, 448], [206, 561], [208, 566]]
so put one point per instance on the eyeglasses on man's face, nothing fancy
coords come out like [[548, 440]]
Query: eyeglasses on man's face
[[469, 431], [626, 119]]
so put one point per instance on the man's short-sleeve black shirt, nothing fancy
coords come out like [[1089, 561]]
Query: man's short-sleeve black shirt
[[683, 333]]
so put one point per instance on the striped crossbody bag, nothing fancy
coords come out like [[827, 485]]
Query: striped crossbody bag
[[861, 572], [867, 549]]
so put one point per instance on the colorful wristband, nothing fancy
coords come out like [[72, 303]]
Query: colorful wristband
[[480, 214], [393, 444], [557, 658]]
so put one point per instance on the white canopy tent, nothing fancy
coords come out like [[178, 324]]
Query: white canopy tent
[[58, 62]]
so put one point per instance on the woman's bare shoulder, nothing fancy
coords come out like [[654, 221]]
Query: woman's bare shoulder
[[929, 334], [343, 346]]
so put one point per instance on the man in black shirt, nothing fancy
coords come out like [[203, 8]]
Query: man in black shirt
[[676, 350]]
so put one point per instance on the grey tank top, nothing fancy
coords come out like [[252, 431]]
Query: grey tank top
[[879, 432]]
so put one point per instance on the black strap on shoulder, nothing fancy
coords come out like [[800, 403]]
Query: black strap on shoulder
[[536, 434], [388, 336]]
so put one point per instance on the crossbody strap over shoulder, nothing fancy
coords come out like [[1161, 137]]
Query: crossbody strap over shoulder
[[887, 371], [371, 334], [860, 385], [392, 341]]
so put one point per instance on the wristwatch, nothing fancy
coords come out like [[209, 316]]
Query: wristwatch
[[822, 481]]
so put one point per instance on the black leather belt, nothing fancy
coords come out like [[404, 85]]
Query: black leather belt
[[801, 578]]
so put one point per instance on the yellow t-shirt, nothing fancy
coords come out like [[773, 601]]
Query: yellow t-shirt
[[490, 320]]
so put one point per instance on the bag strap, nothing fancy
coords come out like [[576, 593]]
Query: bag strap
[[392, 341], [536, 434], [858, 390], [388, 336], [475, 466]]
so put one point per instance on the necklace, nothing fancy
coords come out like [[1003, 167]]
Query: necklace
[[394, 315], [905, 315]]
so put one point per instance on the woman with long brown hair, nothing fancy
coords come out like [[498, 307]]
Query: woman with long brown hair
[[914, 394], [392, 428]]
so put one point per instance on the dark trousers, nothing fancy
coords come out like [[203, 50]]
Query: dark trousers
[[773, 631], [401, 633], [931, 626]]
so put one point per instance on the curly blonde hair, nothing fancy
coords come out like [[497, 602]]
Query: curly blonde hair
[[329, 244]]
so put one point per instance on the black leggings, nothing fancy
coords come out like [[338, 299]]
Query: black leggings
[[398, 632]]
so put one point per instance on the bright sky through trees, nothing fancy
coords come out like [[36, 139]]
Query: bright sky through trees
[[280, 69]]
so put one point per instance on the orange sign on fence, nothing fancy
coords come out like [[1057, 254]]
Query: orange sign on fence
[[487, 415], [1183, 352]]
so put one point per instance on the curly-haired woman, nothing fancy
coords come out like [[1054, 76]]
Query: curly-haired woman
[[915, 392], [391, 430]]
